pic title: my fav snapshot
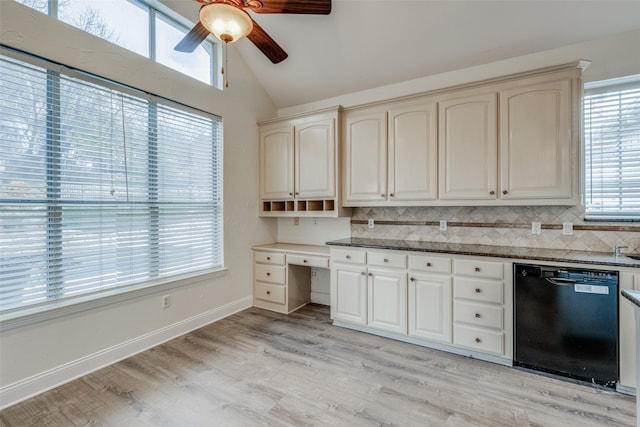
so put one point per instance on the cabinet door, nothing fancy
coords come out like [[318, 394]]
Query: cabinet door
[[349, 294], [468, 145], [276, 163], [430, 307], [387, 300], [365, 157], [412, 153], [315, 159], [535, 141], [627, 333]]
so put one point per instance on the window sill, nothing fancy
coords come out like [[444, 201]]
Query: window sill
[[43, 313]]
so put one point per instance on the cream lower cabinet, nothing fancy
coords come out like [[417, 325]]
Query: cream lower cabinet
[[429, 299], [460, 305], [483, 306], [627, 334]]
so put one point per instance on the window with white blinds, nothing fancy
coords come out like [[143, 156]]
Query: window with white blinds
[[612, 149], [102, 187]]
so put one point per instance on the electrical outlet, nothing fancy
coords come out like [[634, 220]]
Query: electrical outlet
[[443, 225], [296, 220], [315, 221], [536, 228], [567, 228], [370, 223], [165, 301]]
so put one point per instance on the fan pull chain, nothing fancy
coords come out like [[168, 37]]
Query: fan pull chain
[[225, 65]]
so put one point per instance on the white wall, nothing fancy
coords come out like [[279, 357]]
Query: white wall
[[44, 354], [610, 57]]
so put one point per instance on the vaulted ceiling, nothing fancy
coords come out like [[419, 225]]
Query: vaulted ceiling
[[364, 44]]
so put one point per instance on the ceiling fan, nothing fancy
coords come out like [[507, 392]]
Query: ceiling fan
[[229, 21]]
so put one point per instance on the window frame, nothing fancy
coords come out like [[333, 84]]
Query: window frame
[[24, 315], [612, 86]]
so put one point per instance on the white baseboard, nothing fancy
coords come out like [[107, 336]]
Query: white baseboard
[[29, 387]]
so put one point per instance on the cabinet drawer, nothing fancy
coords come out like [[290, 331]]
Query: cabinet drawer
[[349, 256], [270, 292], [269, 258], [484, 269], [387, 259], [478, 314], [311, 261], [269, 273], [429, 263], [479, 339], [478, 290]]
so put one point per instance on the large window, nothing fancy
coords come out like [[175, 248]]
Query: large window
[[143, 26], [612, 149], [101, 187]]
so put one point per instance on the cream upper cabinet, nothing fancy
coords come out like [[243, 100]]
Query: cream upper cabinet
[[468, 144], [412, 152], [276, 151], [365, 157], [536, 147], [298, 166], [391, 154], [315, 165]]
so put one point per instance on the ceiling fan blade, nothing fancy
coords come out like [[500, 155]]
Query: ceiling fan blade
[[193, 39], [266, 44], [308, 7]]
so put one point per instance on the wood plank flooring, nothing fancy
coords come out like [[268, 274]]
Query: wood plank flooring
[[259, 368]]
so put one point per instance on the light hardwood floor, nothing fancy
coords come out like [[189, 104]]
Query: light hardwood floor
[[262, 368]]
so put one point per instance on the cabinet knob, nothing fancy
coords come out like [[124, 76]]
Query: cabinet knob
[[304, 261], [370, 274], [268, 258], [382, 195], [412, 279], [477, 269], [492, 192], [391, 194], [348, 257], [428, 264], [297, 193], [291, 194], [478, 340], [478, 290], [386, 260], [363, 273], [268, 292], [268, 274], [505, 192], [478, 315]]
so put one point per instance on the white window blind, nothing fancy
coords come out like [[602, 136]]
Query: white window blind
[[612, 149], [101, 187]]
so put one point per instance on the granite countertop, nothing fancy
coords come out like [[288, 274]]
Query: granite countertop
[[633, 296], [521, 253]]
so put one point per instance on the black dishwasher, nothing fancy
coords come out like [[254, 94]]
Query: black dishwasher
[[566, 322]]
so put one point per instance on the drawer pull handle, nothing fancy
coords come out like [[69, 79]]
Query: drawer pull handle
[[268, 292], [386, 260], [477, 269], [348, 257], [478, 340], [505, 192], [478, 315], [478, 290], [492, 192]]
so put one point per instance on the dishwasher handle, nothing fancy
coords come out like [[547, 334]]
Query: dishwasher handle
[[560, 282]]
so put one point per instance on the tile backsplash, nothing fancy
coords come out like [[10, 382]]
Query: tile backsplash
[[496, 225]]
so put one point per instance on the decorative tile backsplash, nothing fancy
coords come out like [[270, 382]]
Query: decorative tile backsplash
[[496, 225]]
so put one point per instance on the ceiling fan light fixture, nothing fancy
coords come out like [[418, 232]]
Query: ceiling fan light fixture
[[228, 23]]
